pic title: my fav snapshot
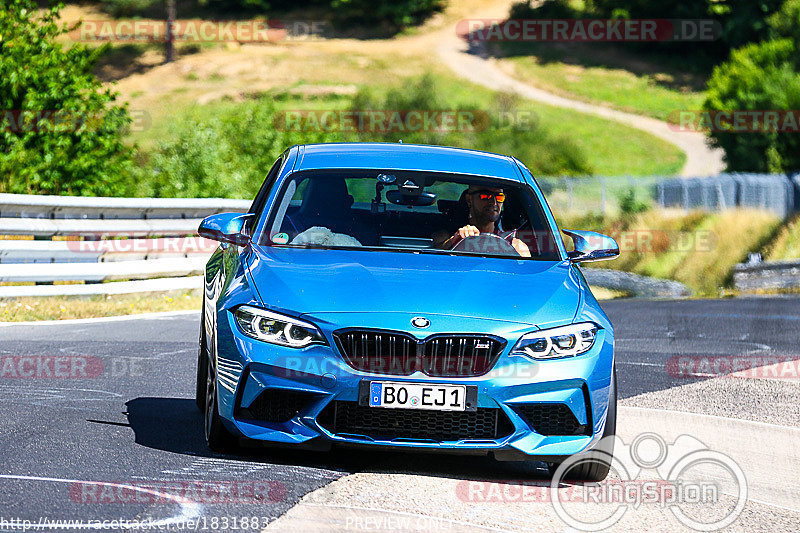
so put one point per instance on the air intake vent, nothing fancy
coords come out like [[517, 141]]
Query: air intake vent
[[389, 424], [551, 419], [276, 405]]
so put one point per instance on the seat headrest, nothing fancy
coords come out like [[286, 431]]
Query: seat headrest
[[326, 197]]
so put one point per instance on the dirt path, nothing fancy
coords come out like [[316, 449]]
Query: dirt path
[[473, 65], [253, 68]]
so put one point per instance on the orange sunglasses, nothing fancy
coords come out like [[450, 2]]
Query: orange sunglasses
[[488, 195]]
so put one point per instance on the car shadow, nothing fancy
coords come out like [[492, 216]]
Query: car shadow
[[176, 425]]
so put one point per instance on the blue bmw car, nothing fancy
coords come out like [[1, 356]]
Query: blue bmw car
[[405, 297]]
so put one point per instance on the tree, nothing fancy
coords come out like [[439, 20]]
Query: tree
[[786, 22], [758, 77], [397, 13], [59, 130]]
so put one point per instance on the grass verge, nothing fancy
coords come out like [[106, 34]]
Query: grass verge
[[619, 80], [786, 244], [601, 293], [66, 307], [609, 148], [697, 249]]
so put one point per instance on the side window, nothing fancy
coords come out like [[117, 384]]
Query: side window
[[261, 198]]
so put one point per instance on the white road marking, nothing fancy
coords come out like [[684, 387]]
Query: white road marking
[[189, 510]]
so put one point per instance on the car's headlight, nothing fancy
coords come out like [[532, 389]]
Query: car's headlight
[[564, 341], [275, 328]]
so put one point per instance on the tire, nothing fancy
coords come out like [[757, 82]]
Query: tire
[[596, 469], [202, 368], [218, 438]]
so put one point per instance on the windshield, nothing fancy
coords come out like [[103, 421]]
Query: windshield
[[410, 212]]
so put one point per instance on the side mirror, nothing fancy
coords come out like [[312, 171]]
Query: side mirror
[[226, 227], [591, 246]]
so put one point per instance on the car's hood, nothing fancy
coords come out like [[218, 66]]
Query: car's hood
[[310, 281]]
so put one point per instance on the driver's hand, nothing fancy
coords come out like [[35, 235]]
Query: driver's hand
[[467, 231], [521, 247]]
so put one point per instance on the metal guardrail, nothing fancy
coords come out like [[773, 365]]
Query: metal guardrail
[[96, 272], [771, 192], [43, 206], [94, 251], [105, 239], [118, 287], [41, 227]]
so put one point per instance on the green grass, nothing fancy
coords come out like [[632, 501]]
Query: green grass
[[786, 244], [610, 148], [697, 249], [583, 73], [68, 307]]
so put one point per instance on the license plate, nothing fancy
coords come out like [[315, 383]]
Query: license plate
[[417, 396]]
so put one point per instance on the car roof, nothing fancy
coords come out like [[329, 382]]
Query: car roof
[[399, 156]]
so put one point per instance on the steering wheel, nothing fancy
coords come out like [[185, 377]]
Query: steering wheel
[[486, 243]]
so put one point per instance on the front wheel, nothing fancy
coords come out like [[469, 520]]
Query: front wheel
[[202, 368], [217, 437], [597, 467]]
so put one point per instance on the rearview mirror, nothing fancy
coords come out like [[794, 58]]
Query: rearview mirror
[[421, 199], [226, 227], [591, 246]]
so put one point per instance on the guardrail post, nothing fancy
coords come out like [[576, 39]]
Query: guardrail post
[[685, 193], [603, 194], [723, 205], [568, 183]]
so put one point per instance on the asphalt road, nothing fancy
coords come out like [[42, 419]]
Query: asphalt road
[[133, 426]]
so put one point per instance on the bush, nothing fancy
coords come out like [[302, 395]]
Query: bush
[[542, 152], [397, 13], [786, 22], [224, 150], [629, 204], [741, 21], [549, 9], [758, 77], [126, 8], [59, 134]]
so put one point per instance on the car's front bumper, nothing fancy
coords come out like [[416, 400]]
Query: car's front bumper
[[319, 374]]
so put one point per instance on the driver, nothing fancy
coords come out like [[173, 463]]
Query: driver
[[485, 205]]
